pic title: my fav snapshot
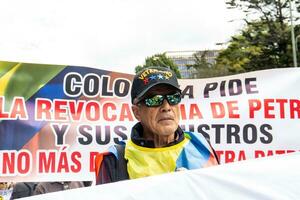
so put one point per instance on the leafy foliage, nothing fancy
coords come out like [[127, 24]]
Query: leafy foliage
[[159, 60], [265, 42], [265, 10], [204, 69]]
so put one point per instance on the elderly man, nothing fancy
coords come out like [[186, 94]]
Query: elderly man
[[157, 144]]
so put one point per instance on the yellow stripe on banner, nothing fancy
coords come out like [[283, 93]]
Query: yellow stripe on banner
[[5, 78]]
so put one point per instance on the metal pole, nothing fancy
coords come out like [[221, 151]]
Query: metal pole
[[297, 43], [293, 36]]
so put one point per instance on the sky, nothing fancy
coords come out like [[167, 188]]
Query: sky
[[114, 35]]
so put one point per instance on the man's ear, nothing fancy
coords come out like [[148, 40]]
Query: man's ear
[[136, 111]]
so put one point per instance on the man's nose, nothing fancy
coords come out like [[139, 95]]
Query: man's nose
[[165, 106]]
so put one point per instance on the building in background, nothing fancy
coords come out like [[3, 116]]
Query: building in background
[[184, 58]]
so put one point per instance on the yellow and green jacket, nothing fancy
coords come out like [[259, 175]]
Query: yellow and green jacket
[[138, 158]]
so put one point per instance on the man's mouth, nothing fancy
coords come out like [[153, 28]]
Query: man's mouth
[[166, 119]]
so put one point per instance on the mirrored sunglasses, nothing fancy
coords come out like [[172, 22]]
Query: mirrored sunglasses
[[157, 100]]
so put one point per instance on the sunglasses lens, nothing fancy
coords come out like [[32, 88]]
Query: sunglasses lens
[[156, 100], [174, 99]]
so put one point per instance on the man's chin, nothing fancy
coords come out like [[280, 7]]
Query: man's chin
[[167, 130], [167, 122]]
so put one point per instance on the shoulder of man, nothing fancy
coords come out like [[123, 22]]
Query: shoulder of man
[[205, 141], [111, 166]]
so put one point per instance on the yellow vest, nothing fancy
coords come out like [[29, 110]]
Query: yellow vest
[[144, 161]]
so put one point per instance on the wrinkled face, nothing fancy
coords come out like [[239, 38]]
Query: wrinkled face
[[161, 120]]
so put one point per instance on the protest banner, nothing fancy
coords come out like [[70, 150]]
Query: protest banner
[[55, 119]]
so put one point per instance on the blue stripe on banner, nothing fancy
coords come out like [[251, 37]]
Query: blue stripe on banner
[[195, 154], [14, 134]]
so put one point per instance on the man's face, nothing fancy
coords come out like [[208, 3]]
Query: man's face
[[161, 120]]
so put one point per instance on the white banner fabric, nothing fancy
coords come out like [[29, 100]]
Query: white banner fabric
[[276, 177]]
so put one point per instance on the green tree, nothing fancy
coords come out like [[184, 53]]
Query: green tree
[[204, 69], [200, 61], [200, 65], [266, 10], [159, 60], [265, 42]]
